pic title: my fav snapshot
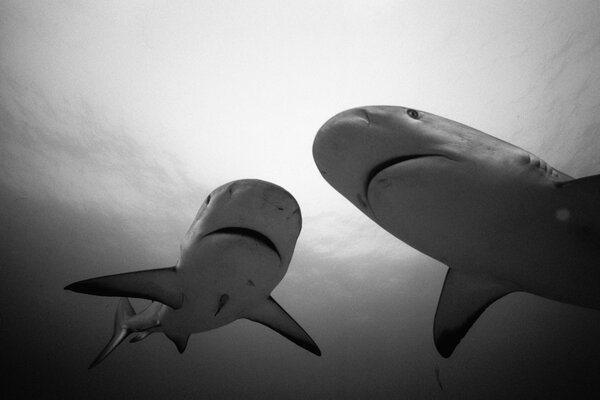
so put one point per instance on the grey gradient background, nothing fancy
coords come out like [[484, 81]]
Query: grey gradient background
[[118, 118]]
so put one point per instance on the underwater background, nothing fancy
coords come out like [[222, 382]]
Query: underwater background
[[118, 118]]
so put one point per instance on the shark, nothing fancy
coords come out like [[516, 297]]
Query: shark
[[500, 218], [236, 251]]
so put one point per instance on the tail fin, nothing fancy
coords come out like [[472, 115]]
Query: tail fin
[[120, 332]]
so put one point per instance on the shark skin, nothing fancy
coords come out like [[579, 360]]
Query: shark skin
[[236, 251], [499, 217]]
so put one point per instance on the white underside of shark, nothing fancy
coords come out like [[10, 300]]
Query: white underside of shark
[[236, 251], [500, 218]]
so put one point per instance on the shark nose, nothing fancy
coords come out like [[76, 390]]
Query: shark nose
[[340, 136], [348, 118]]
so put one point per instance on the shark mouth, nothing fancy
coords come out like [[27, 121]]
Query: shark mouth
[[247, 232], [393, 161]]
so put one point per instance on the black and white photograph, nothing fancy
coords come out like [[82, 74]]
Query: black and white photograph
[[386, 199]]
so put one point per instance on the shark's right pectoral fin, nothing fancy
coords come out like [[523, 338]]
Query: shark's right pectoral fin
[[464, 298], [154, 284], [272, 315]]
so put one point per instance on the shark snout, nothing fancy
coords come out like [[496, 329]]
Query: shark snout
[[354, 145], [339, 137], [342, 151]]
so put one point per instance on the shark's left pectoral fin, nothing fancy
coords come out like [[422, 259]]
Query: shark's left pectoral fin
[[160, 285], [464, 298], [272, 315], [580, 200], [586, 186]]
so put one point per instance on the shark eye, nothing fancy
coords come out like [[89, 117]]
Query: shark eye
[[207, 200], [414, 114]]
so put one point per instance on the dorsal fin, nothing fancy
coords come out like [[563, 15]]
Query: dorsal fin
[[180, 340], [271, 314], [154, 284], [464, 298]]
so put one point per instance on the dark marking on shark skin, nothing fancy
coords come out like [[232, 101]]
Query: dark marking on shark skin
[[250, 283], [222, 301]]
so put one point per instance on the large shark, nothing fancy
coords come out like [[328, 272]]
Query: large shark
[[500, 218], [236, 251]]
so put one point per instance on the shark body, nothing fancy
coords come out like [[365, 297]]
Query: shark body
[[499, 217], [236, 251]]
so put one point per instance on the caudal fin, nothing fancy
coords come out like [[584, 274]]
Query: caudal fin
[[120, 330]]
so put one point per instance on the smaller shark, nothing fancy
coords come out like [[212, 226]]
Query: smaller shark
[[236, 251], [499, 217]]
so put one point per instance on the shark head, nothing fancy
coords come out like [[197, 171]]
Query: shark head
[[253, 207], [413, 172]]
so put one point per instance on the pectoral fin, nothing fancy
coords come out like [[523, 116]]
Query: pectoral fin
[[154, 284], [180, 340], [579, 205], [464, 298], [272, 315], [588, 186]]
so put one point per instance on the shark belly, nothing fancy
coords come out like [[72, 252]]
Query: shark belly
[[238, 266], [522, 234]]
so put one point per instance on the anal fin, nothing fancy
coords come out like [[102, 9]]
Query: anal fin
[[139, 336], [275, 317], [464, 298], [154, 284]]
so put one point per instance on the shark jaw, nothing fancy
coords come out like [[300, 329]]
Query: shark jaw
[[249, 233], [392, 163]]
